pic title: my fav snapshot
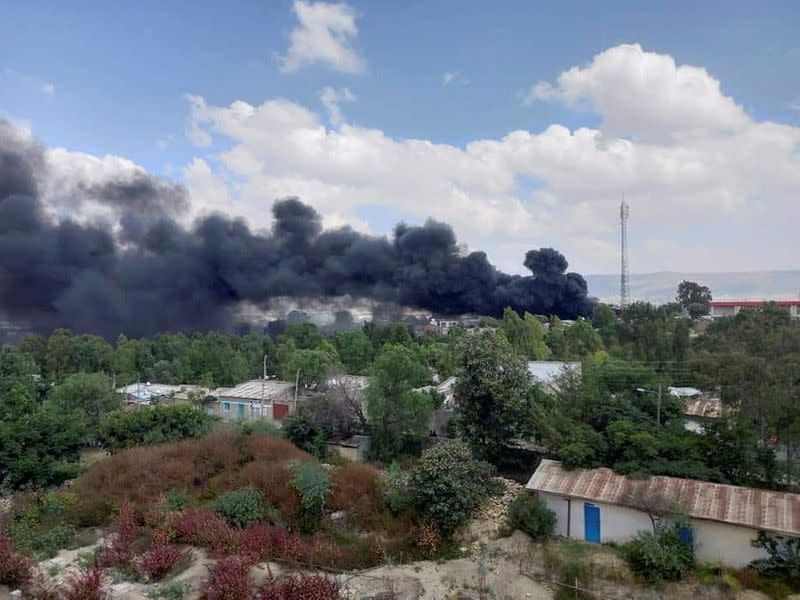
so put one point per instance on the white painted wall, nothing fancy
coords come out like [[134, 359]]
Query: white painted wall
[[693, 424], [727, 544], [714, 541], [617, 523]]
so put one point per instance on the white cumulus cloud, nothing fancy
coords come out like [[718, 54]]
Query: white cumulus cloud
[[704, 179], [325, 34], [331, 99], [646, 95]]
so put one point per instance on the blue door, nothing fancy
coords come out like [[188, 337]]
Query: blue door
[[685, 535], [591, 522], [241, 411]]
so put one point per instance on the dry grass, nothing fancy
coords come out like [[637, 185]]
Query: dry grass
[[357, 490], [204, 468]]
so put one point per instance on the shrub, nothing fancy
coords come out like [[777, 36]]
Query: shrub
[[84, 585], [357, 490], [314, 485], [530, 514], [448, 483], [47, 544], [153, 425], [228, 580], [783, 559], [118, 551], [299, 587], [177, 499], [398, 498], [240, 507], [260, 427], [174, 590], [202, 527], [659, 555], [16, 571], [159, 560]]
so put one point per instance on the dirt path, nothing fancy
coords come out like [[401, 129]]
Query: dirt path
[[495, 570]]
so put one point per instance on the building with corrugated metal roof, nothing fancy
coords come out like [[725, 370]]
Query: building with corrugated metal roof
[[599, 505], [259, 399]]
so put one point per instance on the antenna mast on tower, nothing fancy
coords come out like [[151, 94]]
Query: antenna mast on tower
[[624, 282]]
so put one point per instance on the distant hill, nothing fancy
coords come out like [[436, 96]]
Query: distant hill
[[660, 287]]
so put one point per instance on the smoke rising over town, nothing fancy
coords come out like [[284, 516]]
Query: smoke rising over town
[[135, 269]]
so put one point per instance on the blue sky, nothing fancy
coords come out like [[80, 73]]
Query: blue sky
[[110, 78]]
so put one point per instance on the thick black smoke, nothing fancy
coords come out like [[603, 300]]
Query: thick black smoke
[[150, 274]]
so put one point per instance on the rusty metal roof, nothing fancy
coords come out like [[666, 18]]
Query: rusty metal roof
[[257, 389], [778, 512], [710, 408]]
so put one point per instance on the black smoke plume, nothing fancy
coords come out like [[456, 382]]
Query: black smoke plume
[[147, 273]]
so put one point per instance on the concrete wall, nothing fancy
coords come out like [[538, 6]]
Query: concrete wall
[[714, 542], [727, 544], [254, 413]]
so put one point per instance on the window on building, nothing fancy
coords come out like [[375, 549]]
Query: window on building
[[226, 406]]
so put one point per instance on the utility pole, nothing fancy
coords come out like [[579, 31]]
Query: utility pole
[[658, 407], [265, 365], [624, 282], [296, 384]]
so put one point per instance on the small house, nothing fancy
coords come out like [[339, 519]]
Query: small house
[[149, 393], [354, 448], [699, 411], [598, 505], [257, 400]]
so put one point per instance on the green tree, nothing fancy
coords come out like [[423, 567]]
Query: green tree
[[355, 351], [605, 321], [153, 425], [394, 410], [525, 335], [89, 393], [694, 298], [582, 340], [310, 367], [36, 347], [306, 336], [448, 483], [35, 440], [491, 389], [16, 368]]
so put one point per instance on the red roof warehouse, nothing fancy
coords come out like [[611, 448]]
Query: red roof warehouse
[[727, 308]]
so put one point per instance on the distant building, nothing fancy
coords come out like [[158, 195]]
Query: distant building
[[445, 389], [260, 399], [148, 393], [354, 448], [547, 372], [729, 308], [597, 505]]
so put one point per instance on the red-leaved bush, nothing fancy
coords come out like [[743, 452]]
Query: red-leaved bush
[[357, 491], [203, 527], [84, 585], [299, 587], [228, 580], [203, 467], [158, 560], [16, 571], [118, 551], [260, 542]]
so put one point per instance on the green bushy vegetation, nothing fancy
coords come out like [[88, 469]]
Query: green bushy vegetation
[[659, 555], [530, 514], [240, 507], [156, 424], [448, 483]]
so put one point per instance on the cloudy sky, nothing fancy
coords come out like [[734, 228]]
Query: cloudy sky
[[520, 124]]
